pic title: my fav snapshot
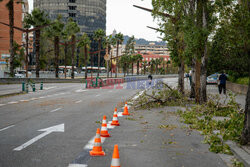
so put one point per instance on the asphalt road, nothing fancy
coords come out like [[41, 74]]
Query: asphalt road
[[78, 112]]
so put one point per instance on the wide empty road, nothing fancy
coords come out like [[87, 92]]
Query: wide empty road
[[55, 128]]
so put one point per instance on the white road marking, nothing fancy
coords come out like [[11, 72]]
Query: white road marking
[[2, 105], [80, 90], [97, 95], [7, 128], [110, 91], [24, 100], [42, 97], [56, 109], [77, 165], [109, 126], [119, 114], [78, 101], [47, 131], [33, 98], [91, 143], [49, 88], [13, 102]]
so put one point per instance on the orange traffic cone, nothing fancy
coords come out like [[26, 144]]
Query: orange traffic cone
[[115, 119], [115, 159], [125, 112], [97, 148], [104, 129]]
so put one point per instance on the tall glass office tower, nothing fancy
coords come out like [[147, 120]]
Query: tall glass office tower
[[89, 14]]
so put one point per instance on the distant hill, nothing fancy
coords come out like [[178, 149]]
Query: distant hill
[[142, 41]]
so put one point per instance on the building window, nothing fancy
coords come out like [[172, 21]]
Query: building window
[[72, 7], [72, 15]]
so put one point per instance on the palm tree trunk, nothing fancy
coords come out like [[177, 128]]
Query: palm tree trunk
[[65, 57], [56, 46], [111, 63], [107, 68], [132, 68], [117, 51], [99, 57], [27, 53], [37, 52], [144, 68], [86, 61], [11, 21], [73, 57], [137, 68]]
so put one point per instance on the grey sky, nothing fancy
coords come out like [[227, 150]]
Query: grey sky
[[122, 16]]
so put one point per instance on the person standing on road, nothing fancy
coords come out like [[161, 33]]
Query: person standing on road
[[150, 78], [222, 83]]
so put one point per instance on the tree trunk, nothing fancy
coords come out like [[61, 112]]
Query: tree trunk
[[107, 68], [144, 68], [73, 57], [132, 69], [151, 68], [164, 68], [192, 93], [245, 137], [65, 57], [197, 81], [117, 50], [27, 53], [204, 59], [37, 52], [99, 57], [181, 77], [56, 46], [199, 24], [86, 61], [11, 21], [137, 68], [111, 62]]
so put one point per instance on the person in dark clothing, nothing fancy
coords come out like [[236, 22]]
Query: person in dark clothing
[[222, 83], [150, 78]]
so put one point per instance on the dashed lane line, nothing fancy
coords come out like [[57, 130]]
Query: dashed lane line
[[56, 109], [77, 165], [78, 101], [13, 102], [6, 128], [2, 104]]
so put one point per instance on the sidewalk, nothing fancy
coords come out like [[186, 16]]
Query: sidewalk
[[150, 138]]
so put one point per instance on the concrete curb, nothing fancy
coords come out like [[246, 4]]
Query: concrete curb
[[240, 153]]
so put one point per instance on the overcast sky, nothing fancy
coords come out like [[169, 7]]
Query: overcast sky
[[122, 16]]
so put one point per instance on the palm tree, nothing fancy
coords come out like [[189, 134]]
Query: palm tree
[[85, 42], [55, 32], [108, 43], [152, 64], [124, 61], [119, 39], [99, 34], [144, 64], [138, 59], [36, 18], [72, 28]]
